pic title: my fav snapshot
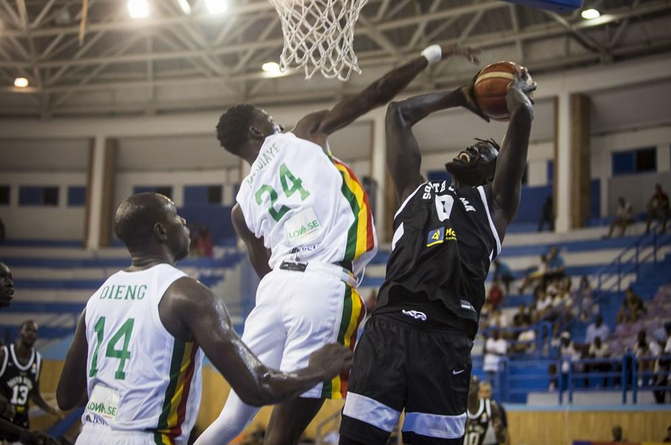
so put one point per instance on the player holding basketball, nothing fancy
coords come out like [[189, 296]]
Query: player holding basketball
[[415, 352], [307, 224], [135, 360]]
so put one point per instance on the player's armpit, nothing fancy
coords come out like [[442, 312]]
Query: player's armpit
[[258, 254], [71, 390]]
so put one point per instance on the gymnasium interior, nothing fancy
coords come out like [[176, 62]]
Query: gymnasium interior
[[102, 99]]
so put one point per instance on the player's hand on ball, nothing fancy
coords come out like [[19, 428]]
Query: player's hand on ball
[[469, 102], [471, 54], [520, 90], [333, 359]]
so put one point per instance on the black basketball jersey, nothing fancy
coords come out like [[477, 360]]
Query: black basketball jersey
[[444, 242], [18, 381], [479, 427]]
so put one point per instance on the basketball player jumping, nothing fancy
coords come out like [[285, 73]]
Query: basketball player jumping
[[415, 352], [308, 226], [135, 361]]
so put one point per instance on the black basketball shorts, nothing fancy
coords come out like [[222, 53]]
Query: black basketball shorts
[[401, 366]]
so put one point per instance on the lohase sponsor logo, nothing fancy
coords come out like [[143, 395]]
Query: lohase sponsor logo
[[101, 409], [304, 230]]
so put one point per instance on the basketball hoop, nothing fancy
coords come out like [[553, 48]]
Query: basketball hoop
[[319, 35]]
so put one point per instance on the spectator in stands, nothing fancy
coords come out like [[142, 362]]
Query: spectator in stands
[[544, 304], [658, 208], [623, 217], [503, 273], [205, 244], [599, 349], [617, 434], [547, 215], [534, 274], [522, 316], [597, 329], [194, 246], [646, 352], [495, 294], [495, 348], [568, 352], [584, 296], [498, 319], [632, 308], [555, 268]]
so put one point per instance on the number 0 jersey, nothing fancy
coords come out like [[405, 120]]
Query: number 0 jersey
[[444, 241], [307, 205], [479, 426], [140, 378], [18, 381]]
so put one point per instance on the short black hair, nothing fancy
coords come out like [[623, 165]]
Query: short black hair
[[233, 126], [136, 216], [26, 323]]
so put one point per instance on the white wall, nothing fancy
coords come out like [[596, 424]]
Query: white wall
[[43, 222]]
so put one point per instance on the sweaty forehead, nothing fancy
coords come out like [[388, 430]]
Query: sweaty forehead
[[4, 270]]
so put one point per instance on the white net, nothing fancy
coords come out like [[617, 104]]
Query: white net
[[319, 35]]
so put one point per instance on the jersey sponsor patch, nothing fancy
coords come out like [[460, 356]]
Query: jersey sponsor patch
[[103, 403], [436, 236], [302, 227]]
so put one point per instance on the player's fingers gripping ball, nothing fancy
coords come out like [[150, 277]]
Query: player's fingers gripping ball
[[491, 86]]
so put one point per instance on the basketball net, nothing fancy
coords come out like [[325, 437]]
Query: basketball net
[[319, 35]]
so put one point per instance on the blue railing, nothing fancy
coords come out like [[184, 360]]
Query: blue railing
[[622, 374]]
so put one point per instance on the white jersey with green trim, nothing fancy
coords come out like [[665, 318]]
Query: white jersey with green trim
[[140, 378], [307, 205]]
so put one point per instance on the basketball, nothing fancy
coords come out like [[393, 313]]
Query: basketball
[[491, 87]]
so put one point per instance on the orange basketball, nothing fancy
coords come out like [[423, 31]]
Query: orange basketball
[[490, 89]]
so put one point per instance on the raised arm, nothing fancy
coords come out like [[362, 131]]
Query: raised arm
[[512, 160], [203, 315], [258, 254], [317, 126], [71, 390], [500, 429]]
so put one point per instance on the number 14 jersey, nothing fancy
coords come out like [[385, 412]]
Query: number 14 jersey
[[307, 205], [140, 378]]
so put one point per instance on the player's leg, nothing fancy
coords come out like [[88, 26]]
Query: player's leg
[[377, 384], [321, 309], [265, 336], [438, 380]]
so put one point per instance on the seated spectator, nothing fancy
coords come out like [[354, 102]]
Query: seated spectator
[[599, 350], [522, 316], [584, 296], [658, 208], [623, 217], [503, 273], [495, 294], [597, 329], [535, 274], [646, 352], [617, 434], [544, 304], [555, 267], [568, 352], [498, 319], [205, 245], [632, 308], [547, 215]]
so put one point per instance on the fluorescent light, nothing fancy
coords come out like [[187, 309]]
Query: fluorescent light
[[186, 7], [138, 9], [589, 14], [21, 82], [216, 6], [272, 69]]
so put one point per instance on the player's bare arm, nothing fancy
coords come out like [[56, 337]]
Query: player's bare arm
[[317, 126], [258, 254], [71, 390], [6, 409], [191, 312], [37, 398], [506, 186], [499, 429]]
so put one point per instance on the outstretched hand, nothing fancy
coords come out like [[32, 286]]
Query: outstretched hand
[[332, 359], [468, 93], [520, 90]]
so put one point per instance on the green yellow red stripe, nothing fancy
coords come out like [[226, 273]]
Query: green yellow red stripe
[[182, 368], [360, 237], [352, 315]]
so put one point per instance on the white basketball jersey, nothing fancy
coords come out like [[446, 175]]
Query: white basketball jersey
[[140, 378], [307, 205]]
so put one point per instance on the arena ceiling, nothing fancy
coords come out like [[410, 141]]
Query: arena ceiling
[[172, 61]]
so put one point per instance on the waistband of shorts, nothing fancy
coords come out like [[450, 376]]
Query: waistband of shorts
[[414, 325], [105, 430], [316, 266]]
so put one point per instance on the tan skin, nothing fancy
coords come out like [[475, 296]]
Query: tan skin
[[191, 312], [290, 419], [6, 286]]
